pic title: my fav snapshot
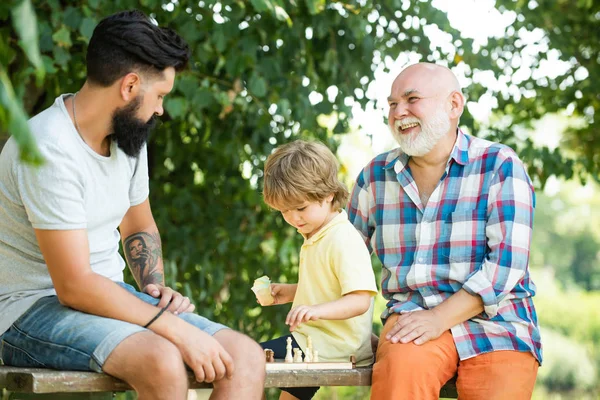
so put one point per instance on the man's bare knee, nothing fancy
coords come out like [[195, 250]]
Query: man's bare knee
[[148, 362], [248, 356]]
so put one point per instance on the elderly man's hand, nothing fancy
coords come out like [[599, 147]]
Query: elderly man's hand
[[418, 326]]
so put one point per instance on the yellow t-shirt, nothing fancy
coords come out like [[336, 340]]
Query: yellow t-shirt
[[333, 262]]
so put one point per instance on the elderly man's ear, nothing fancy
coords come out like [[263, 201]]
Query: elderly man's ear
[[457, 101]]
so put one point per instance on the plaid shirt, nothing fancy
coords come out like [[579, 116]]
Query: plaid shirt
[[473, 234]]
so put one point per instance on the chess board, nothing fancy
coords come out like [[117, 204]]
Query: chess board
[[280, 365]]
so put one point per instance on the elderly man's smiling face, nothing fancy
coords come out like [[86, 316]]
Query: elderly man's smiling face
[[419, 114]]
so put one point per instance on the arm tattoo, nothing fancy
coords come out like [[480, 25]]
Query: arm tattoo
[[144, 255]]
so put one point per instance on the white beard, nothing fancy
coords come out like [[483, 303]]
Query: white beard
[[420, 143]]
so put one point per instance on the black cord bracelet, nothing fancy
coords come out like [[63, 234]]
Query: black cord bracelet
[[162, 310]]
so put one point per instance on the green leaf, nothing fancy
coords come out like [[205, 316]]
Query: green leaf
[[17, 121], [62, 57], [272, 7], [7, 54], [72, 18], [94, 4], [261, 5], [25, 23], [315, 6], [284, 107], [49, 65], [202, 99], [46, 43], [257, 86], [220, 41], [176, 107], [62, 37], [87, 28], [282, 15]]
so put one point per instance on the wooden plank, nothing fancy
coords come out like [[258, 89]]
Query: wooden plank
[[24, 380], [302, 378], [3, 371], [36, 380], [61, 396]]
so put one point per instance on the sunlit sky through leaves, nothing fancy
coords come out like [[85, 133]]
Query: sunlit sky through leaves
[[475, 19]]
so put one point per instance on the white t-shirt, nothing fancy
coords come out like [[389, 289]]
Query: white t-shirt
[[76, 188]]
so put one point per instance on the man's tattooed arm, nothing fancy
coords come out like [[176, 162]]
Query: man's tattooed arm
[[144, 255]]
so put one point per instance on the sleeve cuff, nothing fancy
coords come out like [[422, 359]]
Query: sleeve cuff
[[479, 285], [139, 200]]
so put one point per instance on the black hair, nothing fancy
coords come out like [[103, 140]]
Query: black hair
[[128, 41]]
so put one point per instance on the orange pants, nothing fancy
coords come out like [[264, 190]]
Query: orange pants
[[408, 371]]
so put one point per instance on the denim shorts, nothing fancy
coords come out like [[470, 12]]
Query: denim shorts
[[50, 335]]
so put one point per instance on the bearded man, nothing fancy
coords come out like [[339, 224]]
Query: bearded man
[[450, 218], [63, 302]]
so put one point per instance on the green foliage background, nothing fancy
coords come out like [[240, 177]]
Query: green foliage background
[[254, 65]]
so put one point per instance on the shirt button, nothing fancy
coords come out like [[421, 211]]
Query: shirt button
[[420, 259]]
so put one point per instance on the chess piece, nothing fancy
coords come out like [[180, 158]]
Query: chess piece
[[308, 356], [315, 356], [297, 355], [269, 355], [288, 353]]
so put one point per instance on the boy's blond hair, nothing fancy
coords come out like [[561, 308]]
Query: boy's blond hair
[[302, 171]]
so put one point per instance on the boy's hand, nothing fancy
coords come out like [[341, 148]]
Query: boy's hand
[[302, 314], [283, 292]]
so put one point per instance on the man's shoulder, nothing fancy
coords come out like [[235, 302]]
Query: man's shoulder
[[479, 148], [49, 125], [378, 164], [383, 159]]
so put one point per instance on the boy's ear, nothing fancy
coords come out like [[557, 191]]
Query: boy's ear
[[329, 198]]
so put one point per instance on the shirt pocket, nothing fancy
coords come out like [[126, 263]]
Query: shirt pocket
[[463, 236]]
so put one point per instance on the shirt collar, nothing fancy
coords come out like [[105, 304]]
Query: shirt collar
[[460, 151], [338, 219]]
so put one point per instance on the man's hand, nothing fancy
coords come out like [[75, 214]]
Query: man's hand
[[179, 303], [203, 354], [302, 314], [418, 326]]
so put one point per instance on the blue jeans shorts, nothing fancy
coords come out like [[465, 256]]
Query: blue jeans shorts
[[50, 335]]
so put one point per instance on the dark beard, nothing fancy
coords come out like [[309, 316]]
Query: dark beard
[[130, 132]]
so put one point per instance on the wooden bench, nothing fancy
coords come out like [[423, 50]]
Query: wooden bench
[[100, 386]]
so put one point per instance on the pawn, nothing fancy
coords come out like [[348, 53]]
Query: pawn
[[308, 356], [309, 350], [270, 355], [298, 356]]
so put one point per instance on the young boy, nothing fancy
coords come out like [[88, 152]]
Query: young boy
[[332, 301]]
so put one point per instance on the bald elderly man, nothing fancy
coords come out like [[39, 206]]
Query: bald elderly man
[[450, 218]]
